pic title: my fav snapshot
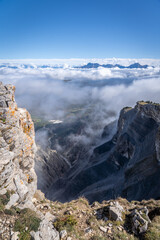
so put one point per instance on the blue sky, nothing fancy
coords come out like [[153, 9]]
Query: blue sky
[[79, 28]]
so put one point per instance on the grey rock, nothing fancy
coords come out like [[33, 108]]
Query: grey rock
[[88, 230], [63, 234], [103, 229], [115, 212], [110, 225], [129, 163], [140, 220], [49, 166], [105, 219], [13, 200], [46, 229], [15, 236]]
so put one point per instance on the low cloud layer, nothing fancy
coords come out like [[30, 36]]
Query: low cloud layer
[[53, 89], [66, 92]]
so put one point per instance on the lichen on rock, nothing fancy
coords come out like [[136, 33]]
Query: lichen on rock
[[17, 149]]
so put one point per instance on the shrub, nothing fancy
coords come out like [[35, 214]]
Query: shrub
[[16, 209], [11, 212], [1, 207], [25, 236], [152, 234], [27, 219], [4, 199], [66, 222]]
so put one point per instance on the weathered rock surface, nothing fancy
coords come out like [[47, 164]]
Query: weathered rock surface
[[115, 212], [17, 149], [127, 165], [49, 166], [140, 220], [46, 229]]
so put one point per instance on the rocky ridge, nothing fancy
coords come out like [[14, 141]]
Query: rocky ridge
[[127, 165]]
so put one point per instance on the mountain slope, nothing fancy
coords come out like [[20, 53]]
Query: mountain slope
[[127, 165]]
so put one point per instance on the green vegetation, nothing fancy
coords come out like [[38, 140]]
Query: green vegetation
[[84, 201], [1, 207], [27, 222], [153, 232], [11, 212], [25, 236], [91, 221], [123, 236], [65, 222], [4, 199]]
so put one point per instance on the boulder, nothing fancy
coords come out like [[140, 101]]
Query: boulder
[[140, 220], [115, 212], [63, 234]]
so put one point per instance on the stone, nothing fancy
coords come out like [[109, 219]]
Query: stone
[[115, 212], [63, 234], [15, 236], [13, 200], [46, 229], [110, 225], [120, 229], [103, 229], [88, 230], [105, 219], [140, 220]]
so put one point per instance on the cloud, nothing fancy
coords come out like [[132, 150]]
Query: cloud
[[54, 89], [68, 94]]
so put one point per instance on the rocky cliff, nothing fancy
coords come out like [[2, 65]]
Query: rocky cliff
[[17, 149], [20, 210], [127, 165]]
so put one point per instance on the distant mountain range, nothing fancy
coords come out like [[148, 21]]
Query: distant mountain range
[[87, 66], [96, 65]]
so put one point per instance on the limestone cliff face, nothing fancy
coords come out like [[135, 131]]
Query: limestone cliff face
[[17, 148], [128, 165], [142, 150]]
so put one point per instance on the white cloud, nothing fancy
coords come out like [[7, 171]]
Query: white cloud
[[43, 88], [101, 92]]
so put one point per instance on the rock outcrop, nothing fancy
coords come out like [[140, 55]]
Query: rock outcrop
[[127, 165], [49, 166], [18, 181], [17, 149], [140, 220], [46, 229]]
